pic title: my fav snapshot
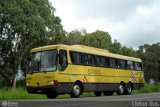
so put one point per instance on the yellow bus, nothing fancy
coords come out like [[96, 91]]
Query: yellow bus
[[74, 69]]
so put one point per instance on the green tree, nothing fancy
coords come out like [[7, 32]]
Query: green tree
[[129, 52], [25, 24], [99, 39], [115, 47], [150, 55], [75, 37]]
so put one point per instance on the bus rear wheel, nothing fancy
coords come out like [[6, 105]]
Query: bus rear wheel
[[51, 95], [128, 89], [97, 93], [121, 89], [108, 93], [76, 90]]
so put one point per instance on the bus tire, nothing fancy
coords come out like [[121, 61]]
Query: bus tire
[[51, 95], [121, 89], [98, 93], [76, 90], [108, 93], [128, 89]]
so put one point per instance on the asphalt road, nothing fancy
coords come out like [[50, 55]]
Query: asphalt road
[[139, 100]]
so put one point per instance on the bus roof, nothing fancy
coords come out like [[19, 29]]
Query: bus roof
[[86, 49]]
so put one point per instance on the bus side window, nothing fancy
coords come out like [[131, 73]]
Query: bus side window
[[73, 57], [93, 60], [138, 66], [130, 65], [106, 63], [62, 60], [86, 59], [97, 60], [101, 61], [113, 63], [79, 58], [121, 63], [90, 59]]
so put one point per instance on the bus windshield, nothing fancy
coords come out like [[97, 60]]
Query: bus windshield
[[43, 61]]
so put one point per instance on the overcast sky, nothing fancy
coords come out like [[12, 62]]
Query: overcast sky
[[131, 22]]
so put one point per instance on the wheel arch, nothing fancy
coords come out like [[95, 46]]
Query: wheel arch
[[131, 84], [80, 83], [122, 82]]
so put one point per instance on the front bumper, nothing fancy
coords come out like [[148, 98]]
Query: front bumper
[[61, 88]]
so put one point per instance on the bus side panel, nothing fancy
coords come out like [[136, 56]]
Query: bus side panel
[[98, 78]]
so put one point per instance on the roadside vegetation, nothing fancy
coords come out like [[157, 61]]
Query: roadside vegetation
[[18, 93], [148, 88], [21, 93]]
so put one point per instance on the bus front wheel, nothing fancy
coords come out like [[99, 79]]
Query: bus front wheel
[[97, 93], [76, 90], [51, 95]]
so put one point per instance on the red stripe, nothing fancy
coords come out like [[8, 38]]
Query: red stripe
[[133, 77], [85, 78]]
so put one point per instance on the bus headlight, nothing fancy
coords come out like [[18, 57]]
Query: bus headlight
[[28, 84], [54, 82], [51, 83]]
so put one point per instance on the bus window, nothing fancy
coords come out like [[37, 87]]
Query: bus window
[[76, 58], [103, 63], [113, 63], [130, 65], [121, 64], [98, 61], [73, 56], [44, 61], [85, 59], [79, 58], [91, 59], [138, 66], [35, 62], [63, 59], [106, 62], [49, 60]]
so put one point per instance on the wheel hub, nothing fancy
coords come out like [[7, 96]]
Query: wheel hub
[[76, 89], [121, 89]]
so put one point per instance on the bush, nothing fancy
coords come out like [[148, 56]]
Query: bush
[[21, 83], [4, 83], [148, 88]]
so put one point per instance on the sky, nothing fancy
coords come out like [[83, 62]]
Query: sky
[[131, 22]]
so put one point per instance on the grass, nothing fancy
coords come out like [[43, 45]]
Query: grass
[[21, 93], [18, 93], [148, 88]]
